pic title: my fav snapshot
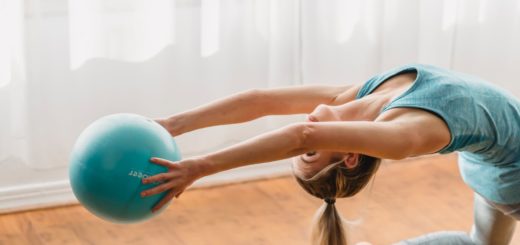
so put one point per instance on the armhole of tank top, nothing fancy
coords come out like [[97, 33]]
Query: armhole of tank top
[[418, 77], [366, 87], [378, 80]]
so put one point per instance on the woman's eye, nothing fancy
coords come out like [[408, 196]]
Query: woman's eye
[[310, 156]]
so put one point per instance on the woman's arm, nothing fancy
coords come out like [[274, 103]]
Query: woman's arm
[[274, 145], [389, 140], [392, 140], [252, 104]]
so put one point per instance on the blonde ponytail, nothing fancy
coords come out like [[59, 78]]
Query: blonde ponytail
[[328, 226], [334, 182]]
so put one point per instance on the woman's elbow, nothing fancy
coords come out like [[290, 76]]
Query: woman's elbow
[[301, 135]]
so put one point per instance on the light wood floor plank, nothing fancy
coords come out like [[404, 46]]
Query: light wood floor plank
[[407, 199]]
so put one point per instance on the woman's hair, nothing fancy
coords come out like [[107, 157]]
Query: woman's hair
[[336, 181]]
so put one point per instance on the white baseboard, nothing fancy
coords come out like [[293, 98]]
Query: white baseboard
[[58, 193], [34, 196]]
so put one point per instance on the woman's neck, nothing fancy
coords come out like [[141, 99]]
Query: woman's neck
[[369, 107]]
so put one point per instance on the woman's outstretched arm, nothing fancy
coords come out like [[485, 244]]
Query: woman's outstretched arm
[[389, 140], [393, 140], [252, 104]]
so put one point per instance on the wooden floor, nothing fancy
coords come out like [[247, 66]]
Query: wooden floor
[[408, 198]]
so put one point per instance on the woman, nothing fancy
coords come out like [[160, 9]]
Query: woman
[[408, 111]]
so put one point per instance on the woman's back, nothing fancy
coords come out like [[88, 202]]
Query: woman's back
[[484, 122]]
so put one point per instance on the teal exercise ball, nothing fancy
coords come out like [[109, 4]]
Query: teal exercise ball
[[110, 158]]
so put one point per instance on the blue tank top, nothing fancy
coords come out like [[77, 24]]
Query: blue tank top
[[484, 122]]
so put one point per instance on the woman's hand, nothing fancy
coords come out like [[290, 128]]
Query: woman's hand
[[172, 125], [180, 175]]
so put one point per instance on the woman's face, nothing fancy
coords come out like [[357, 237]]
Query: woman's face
[[307, 165]]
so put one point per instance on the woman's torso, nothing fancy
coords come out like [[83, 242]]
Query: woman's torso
[[483, 121]]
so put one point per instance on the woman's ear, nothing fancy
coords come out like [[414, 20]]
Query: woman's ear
[[351, 160]]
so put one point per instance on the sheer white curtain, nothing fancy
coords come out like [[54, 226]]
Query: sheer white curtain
[[64, 63], [12, 83], [487, 41], [348, 40]]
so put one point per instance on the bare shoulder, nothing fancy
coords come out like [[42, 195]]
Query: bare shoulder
[[429, 131]]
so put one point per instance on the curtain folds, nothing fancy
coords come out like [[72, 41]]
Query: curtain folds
[[65, 63]]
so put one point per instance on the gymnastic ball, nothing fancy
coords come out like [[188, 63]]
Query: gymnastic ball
[[110, 158]]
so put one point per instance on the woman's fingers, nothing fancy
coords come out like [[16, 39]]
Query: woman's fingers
[[164, 200], [156, 178], [173, 182], [162, 162], [158, 189], [163, 176]]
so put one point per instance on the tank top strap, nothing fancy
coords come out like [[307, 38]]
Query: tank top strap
[[377, 80]]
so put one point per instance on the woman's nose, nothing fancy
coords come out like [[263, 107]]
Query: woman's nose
[[323, 113], [311, 118]]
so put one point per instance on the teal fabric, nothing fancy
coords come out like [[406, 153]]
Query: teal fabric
[[484, 122]]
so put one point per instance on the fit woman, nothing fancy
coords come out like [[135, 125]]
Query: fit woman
[[408, 111]]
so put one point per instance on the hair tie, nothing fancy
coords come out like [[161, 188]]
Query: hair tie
[[330, 201]]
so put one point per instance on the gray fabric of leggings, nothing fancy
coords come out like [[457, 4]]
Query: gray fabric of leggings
[[494, 224]]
